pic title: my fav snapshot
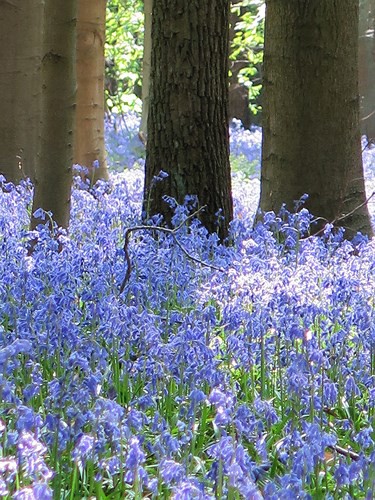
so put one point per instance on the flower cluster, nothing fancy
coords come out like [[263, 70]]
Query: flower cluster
[[252, 380], [23, 464]]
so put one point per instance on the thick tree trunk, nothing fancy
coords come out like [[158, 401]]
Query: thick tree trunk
[[146, 68], [54, 171], [8, 74], [89, 144], [187, 122], [311, 137]]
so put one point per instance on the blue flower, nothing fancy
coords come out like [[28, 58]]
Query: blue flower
[[83, 449], [341, 475], [171, 471], [351, 388]]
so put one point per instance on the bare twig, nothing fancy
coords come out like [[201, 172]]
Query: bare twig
[[345, 216], [345, 452], [368, 142], [368, 116], [338, 219], [171, 232]]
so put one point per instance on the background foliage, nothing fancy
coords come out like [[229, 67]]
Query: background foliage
[[124, 51]]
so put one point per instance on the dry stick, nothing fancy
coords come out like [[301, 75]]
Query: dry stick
[[171, 232], [356, 208], [342, 217], [343, 451]]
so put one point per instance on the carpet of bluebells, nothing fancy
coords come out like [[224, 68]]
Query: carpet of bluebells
[[252, 380]]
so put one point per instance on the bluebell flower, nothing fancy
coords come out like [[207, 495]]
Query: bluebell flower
[[135, 456], [330, 393], [8, 472], [171, 471], [136, 419], [341, 475], [188, 490], [83, 449], [31, 458], [364, 438], [351, 388], [39, 491]]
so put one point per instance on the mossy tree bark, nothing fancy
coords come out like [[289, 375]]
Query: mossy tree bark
[[54, 170], [311, 135], [187, 121], [89, 146]]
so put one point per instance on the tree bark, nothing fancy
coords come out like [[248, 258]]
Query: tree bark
[[311, 135], [146, 68], [367, 68], [28, 85], [53, 180], [8, 36], [89, 146], [187, 122], [20, 41]]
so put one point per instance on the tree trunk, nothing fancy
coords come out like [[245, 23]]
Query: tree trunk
[[20, 39], [27, 85], [8, 36], [311, 137], [89, 147], [367, 68], [146, 68], [54, 170], [187, 122]]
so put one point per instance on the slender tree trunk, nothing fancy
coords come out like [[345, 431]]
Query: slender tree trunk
[[146, 68], [54, 171], [20, 39], [367, 68], [8, 36], [28, 85], [311, 137], [89, 144], [187, 122]]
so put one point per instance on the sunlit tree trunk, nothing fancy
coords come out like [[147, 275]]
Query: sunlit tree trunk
[[187, 122], [146, 68], [311, 136], [89, 147], [54, 170]]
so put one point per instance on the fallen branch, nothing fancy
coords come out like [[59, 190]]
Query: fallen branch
[[171, 232]]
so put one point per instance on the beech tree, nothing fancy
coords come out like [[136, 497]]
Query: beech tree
[[367, 67], [311, 134], [53, 178], [28, 85], [8, 36], [89, 146], [187, 122], [20, 39], [146, 68]]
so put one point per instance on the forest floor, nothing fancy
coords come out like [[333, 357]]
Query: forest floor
[[245, 372]]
